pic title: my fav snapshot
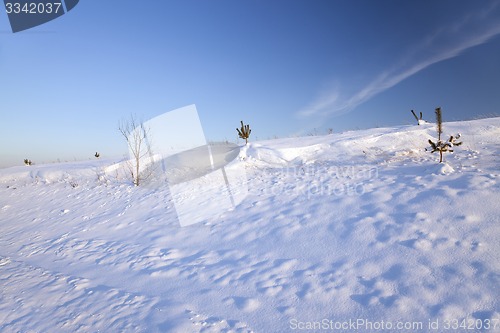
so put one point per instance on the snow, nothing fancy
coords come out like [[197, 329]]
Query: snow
[[361, 227]]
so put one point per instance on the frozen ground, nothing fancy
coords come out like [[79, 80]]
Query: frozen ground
[[361, 226]]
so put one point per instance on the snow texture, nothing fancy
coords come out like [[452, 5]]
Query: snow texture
[[359, 226]]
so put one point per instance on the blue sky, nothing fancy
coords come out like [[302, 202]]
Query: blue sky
[[287, 67]]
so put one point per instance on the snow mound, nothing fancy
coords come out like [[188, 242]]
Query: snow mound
[[445, 168]]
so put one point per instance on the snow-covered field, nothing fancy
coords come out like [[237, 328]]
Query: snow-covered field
[[358, 231]]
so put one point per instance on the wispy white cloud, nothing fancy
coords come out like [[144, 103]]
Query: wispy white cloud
[[445, 43]]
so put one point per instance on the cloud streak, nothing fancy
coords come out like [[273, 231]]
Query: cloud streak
[[446, 43]]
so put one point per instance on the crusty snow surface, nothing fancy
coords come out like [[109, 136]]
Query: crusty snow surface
[[362, 227]]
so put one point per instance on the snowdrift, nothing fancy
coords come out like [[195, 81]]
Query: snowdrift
[[360, 228]]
